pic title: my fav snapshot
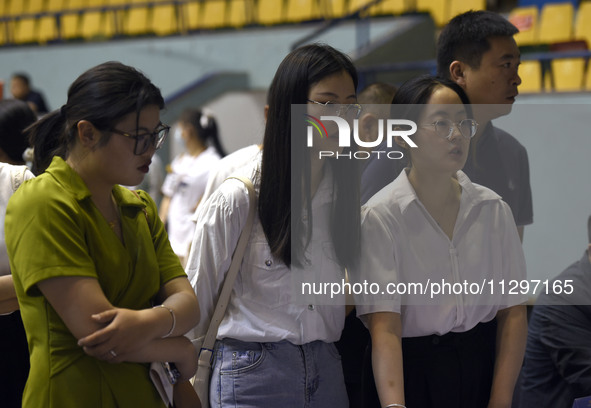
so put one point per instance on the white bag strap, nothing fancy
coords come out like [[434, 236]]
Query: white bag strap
[[206, 353]]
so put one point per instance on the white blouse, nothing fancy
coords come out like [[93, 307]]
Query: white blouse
[[266, 303], [11, 177], [405, 251], [185, 186]]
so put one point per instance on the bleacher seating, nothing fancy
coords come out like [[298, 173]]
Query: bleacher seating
[[46, 21]]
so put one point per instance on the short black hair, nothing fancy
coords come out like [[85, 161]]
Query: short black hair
[[589, 229], [15, 117], [23, 77], [466, 38]]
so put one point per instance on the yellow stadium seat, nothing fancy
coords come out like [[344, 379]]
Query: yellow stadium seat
[[396, 7], [556, 23], [47, 28], [460, 6], [213, 14], [588, 78], [240, 13], [568, 74], [164, 19], [583, 23], [26, 28], [333, 8], [270, 12], [189, 15], [437, 8], [526, 21], [301, 10], [137, 20], [97, 23], [70, 22], [14, 7], [530, 73]]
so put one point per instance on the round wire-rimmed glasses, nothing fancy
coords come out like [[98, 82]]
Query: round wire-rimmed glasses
[[344, 110], [445, 128], [144, 140]]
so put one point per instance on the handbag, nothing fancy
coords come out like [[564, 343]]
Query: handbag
[[159, 372], [204, 344]]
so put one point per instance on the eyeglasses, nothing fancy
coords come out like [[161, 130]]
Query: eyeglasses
[[144, 140], [344, 110], [445, 128]]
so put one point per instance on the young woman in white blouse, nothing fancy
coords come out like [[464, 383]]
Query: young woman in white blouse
[[433, 226], [272, 349]]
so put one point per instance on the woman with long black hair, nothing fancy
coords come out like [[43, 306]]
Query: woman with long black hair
[[272, 349]]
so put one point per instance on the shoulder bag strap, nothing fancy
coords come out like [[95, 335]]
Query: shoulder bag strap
[[206, 353]]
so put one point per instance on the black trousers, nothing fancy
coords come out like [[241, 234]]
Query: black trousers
[[14, 360], [450, 371]]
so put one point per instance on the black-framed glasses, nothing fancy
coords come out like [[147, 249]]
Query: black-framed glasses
[[344, 110], [144, 140], [445, 128]]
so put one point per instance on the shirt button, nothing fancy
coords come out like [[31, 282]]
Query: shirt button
[[311, 307], [268, 262]]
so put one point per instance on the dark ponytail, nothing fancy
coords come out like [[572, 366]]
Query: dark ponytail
[[205, 127], [48, 138], [102, 95]]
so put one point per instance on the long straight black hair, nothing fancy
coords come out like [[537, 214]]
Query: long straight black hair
[[102, 95], [280, 175]]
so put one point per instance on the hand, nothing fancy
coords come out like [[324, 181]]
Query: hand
[[187, 363], [125, 331]]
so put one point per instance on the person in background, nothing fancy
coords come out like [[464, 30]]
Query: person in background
[[15, 116], [557, 365], [477, 51], [100, 291], [272, 350], [375, 100], [433, 223], [20, 87], [185, 183]]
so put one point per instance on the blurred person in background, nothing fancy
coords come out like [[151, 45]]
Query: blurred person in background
[[557, 365], [15, 116], [20, 87], [185, 182]]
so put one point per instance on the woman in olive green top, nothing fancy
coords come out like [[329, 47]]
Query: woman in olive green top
[[101, 292]]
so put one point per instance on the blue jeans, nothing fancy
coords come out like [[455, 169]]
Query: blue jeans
[[260, 375]]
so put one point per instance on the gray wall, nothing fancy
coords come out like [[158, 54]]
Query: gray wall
[[554, 128]]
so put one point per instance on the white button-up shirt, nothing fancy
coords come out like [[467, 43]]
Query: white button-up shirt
[[402, 243], [266, 304]]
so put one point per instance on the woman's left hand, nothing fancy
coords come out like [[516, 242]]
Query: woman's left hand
[[125, 331]]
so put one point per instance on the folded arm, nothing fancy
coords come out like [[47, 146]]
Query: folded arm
[[133, 335]]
